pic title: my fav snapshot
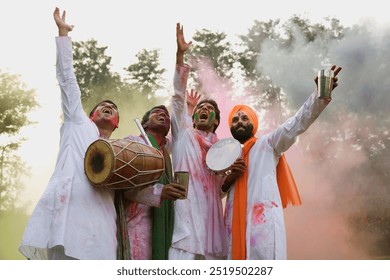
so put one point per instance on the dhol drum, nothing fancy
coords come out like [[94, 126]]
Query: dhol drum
[[222, 155], [122, 164]]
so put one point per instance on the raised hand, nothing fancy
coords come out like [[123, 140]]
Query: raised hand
[[182, 45], [192, 99], [63, 27], [335, 70]]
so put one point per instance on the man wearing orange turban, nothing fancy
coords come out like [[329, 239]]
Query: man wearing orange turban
[[261, 183]]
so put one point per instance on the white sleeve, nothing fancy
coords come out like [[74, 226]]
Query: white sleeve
[[150, 195], [70, 91], [285, 135], [180, 117]]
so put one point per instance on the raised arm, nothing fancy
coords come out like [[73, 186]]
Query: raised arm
[[180, 118], [285, 135], [70, 91]]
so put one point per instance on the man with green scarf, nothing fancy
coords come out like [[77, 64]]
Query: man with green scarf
[[150, 228]]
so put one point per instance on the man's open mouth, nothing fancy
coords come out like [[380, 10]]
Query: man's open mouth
[[107, 111], [203, 116]]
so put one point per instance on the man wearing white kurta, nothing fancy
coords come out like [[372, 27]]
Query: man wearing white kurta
[[263, 236], [73, 219], [199, 231]]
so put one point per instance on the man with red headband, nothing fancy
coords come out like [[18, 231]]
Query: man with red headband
[[199, 231], [73, 219], [261, 184]]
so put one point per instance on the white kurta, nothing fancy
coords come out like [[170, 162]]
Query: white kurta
[[199, 227], [265, 228], [72, 213]]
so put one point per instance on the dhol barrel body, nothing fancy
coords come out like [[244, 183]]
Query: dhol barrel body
[[122, 164]]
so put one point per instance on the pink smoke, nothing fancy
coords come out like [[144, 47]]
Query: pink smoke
[[216, 88], [319, 229]]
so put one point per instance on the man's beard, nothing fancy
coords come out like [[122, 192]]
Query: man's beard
[[242, 135], [163, 129]]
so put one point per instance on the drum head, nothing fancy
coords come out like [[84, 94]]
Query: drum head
[[99, 162], [223, 154]]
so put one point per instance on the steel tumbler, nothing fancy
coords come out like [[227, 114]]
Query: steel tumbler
[[182, 178], [325, 83]]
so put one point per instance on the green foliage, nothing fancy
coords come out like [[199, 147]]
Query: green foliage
[[15, 102], [211, 53], [133, 95], [145, 75], [92, 69], [284, 37], [12, 168]]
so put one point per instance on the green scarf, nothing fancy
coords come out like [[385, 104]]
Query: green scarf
[[163, 217]]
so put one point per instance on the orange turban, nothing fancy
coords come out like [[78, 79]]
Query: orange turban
[[249, 112]]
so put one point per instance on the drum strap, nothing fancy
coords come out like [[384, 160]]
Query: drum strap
[[123, 243]]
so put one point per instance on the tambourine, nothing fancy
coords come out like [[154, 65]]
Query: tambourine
[[222, 155]]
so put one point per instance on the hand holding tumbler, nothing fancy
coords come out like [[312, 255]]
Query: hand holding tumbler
[[182, 178]]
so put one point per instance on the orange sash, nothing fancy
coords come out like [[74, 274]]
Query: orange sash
[[239, 207], [287, 189]]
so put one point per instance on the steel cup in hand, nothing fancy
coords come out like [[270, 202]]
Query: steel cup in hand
[[325, 84], [182, 178]]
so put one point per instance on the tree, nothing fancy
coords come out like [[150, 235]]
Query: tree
[[284, 38], [98, 82], [265, 94], [12, 168], [15, 103], [93, 71], [145, 75], [213, 59]]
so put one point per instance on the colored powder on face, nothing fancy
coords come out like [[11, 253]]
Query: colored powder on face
[[115, 121], [211, 117], [196, 116], [94, 115]]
